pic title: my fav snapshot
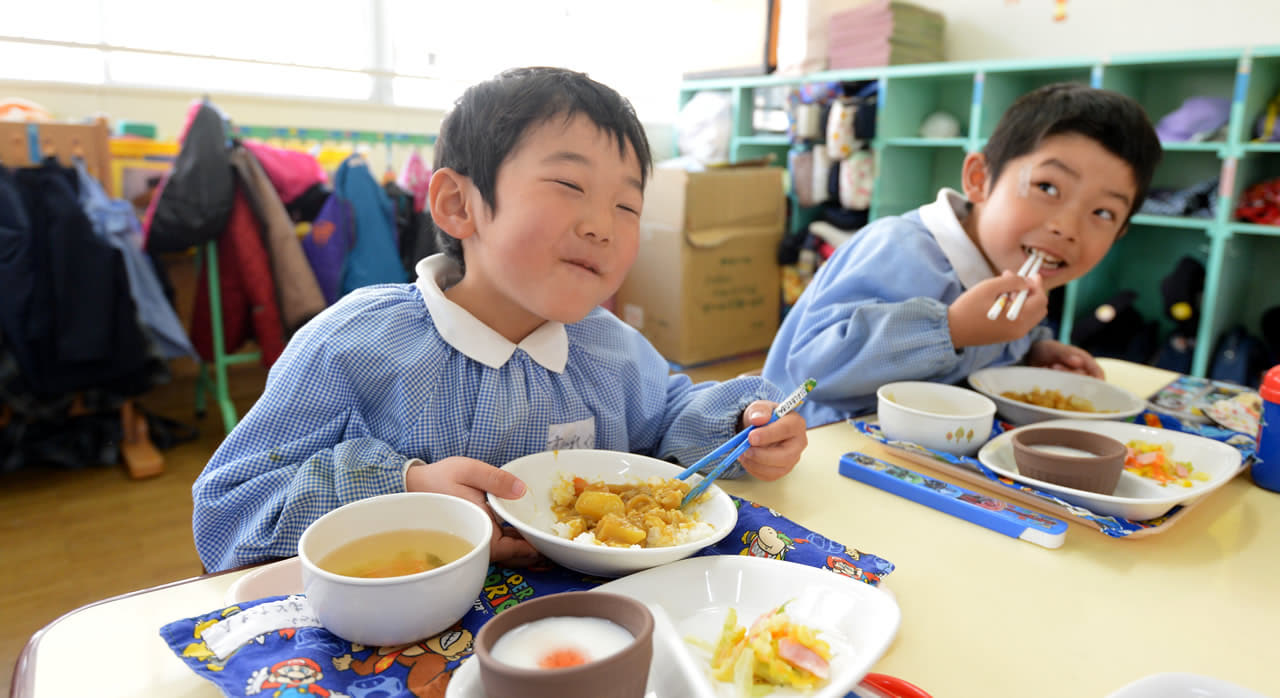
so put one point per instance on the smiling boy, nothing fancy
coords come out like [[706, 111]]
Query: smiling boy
[[907, 297], [498, 350]]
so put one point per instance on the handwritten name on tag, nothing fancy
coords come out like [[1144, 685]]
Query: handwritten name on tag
[[579, 434], [226, 636]]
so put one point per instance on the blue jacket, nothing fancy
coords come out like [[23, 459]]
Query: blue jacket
[[374, 259]]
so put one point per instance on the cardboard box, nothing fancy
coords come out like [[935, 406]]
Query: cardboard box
[[706, 282]]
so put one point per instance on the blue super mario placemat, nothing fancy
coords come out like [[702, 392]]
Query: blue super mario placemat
[[307, 660]]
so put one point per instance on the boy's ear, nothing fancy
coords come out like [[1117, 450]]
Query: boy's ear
[[973, 177], [448, 197]]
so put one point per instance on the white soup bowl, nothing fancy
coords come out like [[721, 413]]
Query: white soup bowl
[[395, 610]]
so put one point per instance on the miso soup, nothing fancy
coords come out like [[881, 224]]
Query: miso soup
[[395, 553]]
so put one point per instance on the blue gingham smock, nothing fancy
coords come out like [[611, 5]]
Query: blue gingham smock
[[876, 313], [394, 373]]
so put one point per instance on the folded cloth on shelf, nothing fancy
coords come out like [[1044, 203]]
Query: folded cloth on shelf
[[307, 659], [1196, 120], [1198, 200]]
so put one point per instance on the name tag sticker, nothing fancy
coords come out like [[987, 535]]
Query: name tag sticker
[[579, 434]]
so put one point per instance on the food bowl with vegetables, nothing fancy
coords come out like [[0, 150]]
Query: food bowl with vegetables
[[1027, 394], [610, 513]]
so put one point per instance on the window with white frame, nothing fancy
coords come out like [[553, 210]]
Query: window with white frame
[[417, 53]]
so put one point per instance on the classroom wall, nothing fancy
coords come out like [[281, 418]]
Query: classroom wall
[[167, 109], [976, 30], [996, 29]]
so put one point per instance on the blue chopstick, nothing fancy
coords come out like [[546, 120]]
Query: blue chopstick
[[717, 471], [720, 451], [739, 444]]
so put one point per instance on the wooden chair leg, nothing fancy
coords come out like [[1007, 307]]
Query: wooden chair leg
[[141, 458]]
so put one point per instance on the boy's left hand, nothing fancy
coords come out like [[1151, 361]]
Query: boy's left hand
[[1049, 353], [775, 448]]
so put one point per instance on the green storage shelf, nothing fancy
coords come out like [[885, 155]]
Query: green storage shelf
[[771, 140], [917, 142], [996, 89], [909, 99], [1196, 147], [1255, 229], [911, 168], [1172, 221]]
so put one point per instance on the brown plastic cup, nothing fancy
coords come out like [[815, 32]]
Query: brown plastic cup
[[1095, 466], [623, 674]]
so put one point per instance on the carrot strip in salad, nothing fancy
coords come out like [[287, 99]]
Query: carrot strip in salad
[[774, 651], [1155, 462]]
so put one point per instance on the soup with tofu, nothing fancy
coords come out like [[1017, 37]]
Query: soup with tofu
[[395, 553]]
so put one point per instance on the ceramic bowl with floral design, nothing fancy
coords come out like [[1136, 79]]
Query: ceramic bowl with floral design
[[935, 415]]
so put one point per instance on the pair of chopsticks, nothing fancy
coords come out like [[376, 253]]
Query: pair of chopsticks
[[739, 444], [1029, 267]]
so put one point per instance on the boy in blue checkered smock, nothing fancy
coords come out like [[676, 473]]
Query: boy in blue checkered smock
[[907, 297], [497, 351]]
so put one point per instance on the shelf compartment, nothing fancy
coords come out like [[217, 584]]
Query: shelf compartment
[[909, 177], [1139, 260], [1251, 169], [1182, 168], [1162, 84], [910, 99], [1261, 147], [1241, 297], [998, 89]]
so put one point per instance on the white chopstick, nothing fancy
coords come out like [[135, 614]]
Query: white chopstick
[[1022, 295], [1034, 259]]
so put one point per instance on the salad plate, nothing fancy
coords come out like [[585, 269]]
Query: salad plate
[[691, 598], [1135, 498], [857, 620]]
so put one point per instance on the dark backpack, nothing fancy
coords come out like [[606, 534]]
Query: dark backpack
[[193, 203]]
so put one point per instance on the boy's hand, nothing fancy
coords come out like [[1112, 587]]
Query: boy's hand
[[470, 479], [1048, 353], [967, 316], [775, 448]]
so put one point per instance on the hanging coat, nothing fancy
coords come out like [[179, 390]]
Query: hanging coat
[[299, 294], [374, 259], [116, 222], [291, 172], [248, 294], [70, 319], [327, 244]]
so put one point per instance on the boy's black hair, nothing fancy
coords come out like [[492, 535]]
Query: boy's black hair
[[1114, 121], [491, 118]]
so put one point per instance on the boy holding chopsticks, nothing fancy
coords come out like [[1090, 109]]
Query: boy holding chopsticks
[[498, 350], [908, 297]]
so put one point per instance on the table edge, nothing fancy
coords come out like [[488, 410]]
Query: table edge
[[22, 683]]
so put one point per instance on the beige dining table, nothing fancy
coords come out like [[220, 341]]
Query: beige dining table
[[983, 614]]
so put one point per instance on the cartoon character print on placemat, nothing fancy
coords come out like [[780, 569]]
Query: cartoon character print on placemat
[[429, 662], [311, 661], [763, 532], [767, 541]]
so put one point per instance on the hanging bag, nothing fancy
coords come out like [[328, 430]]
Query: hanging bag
[[193, 203]]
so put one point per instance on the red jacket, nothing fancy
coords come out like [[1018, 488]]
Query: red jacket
[[248, 293]]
